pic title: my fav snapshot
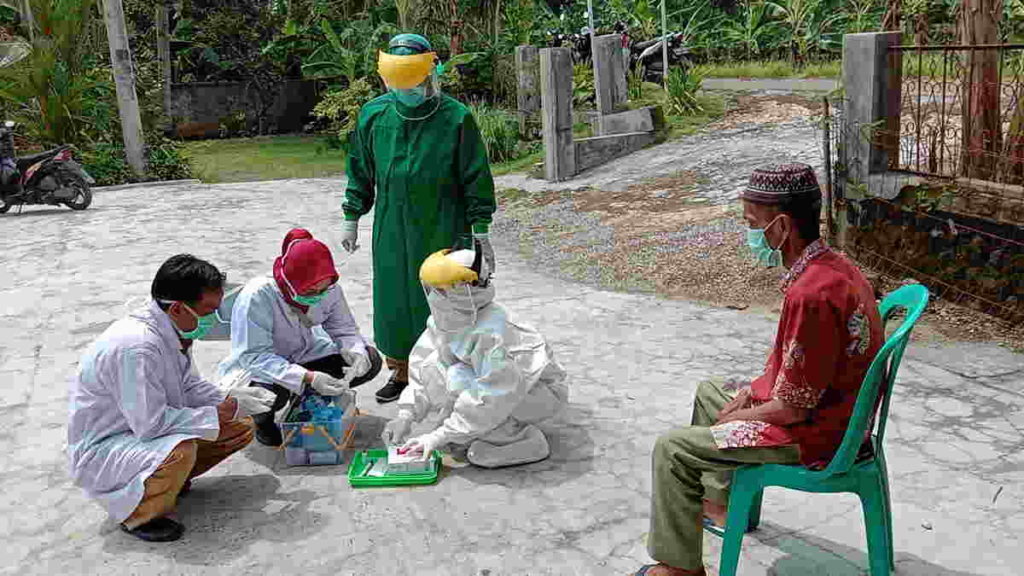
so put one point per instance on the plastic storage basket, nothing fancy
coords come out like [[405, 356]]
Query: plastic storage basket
[[319, 442]]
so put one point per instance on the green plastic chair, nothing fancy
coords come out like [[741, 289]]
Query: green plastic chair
[[865, 476]]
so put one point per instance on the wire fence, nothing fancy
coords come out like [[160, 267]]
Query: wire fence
[[936, 215]]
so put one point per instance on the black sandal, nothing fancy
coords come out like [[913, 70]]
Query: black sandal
[[157, 530]]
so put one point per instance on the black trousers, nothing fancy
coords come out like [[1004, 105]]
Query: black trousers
[[333, 365]]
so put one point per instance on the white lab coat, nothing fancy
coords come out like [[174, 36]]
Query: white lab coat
[[479, 368], [270, 338], [135, 397]]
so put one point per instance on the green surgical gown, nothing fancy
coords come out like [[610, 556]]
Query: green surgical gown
[[432, 185]]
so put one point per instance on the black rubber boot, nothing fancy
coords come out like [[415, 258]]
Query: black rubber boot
[[158, 530], [391, 391], [267, 432]]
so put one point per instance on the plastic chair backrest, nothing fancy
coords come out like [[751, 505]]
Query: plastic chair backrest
[[880, 377]]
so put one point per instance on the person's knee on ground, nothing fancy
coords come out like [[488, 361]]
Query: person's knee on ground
[[511, 444]]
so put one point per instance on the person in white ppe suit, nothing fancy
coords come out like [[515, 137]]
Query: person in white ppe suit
[[143, 423], [491, 378], [295, 329]]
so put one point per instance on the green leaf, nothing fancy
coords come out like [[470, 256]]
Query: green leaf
[[463, 59]]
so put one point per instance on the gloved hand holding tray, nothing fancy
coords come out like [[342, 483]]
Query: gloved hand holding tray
[[370, 468]]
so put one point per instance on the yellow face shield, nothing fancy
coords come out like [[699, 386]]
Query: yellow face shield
[[438, 271], [405, 72]]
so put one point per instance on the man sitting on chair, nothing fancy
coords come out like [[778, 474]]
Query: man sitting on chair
[[797, 411]]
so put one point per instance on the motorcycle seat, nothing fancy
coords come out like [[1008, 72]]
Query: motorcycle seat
[[25, 162]]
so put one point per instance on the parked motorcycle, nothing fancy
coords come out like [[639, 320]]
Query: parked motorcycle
[[648, 55], [52, 177]]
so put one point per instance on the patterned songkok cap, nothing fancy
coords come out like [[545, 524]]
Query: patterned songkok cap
[[782, 183]]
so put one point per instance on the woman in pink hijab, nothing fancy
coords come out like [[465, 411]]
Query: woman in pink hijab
[[294, 331]]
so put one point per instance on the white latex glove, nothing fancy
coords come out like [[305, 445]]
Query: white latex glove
[[488, 250], [397, 430], [423, 445], [350, 235], [252, 400], [358, 364], [328, 385]]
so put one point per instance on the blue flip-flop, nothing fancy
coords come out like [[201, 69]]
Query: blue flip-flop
[[713, 528]]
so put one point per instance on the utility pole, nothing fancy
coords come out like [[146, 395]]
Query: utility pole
[[124, 79], [163, 51]]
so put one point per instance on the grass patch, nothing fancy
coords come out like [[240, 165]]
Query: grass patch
[[770, 69], [713, 107], [265, 158], [523, 164]]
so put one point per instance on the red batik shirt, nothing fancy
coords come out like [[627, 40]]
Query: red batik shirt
[[828, 335]]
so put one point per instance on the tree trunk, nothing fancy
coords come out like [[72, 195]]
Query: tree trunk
[[124, 79], [979, 24], [163, 50], [893, 16], [455, 46]]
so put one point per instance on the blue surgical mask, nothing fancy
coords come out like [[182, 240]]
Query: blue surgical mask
[[761, 250]]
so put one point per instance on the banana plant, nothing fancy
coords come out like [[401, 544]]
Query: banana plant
[[753, 29], [801, 19], [351, 54]]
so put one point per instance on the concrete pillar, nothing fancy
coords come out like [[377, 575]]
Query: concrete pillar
[[872, 78], [556, 105], [528, 94], [609, 73]]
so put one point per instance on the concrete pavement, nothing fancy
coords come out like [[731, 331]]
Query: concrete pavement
[[954, 447]]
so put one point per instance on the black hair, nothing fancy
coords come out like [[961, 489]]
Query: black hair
[[806, 216], [184, 278]]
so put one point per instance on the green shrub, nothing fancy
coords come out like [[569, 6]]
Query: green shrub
[[583, 91], [166, 160], [500, 131], [234, 123], [169, 160], [106, 163], [682, 87], [341, 109]]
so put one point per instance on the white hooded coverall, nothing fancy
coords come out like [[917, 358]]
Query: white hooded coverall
[[490, 377]]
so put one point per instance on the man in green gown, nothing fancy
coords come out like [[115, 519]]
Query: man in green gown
[[419, 157]]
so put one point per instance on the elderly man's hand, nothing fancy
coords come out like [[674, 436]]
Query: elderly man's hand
[[226, 409], [742, 401]]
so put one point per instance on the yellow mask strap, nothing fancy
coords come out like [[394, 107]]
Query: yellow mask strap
[[440, 272], [405, 72]]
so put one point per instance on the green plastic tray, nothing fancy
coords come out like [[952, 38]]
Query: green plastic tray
[[359, 462]]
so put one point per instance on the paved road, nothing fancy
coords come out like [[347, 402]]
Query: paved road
[[955, 445], [772, 85]]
